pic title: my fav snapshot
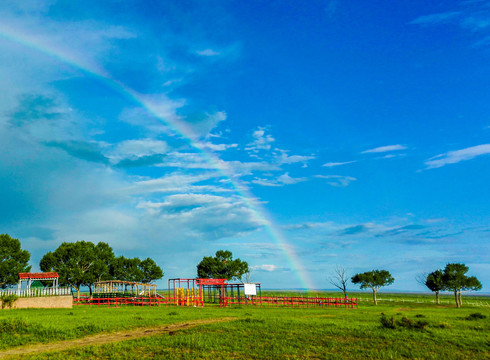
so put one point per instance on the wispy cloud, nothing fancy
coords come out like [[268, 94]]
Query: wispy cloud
[[333, 164], [434, 19], [284, 158], [337, 180], [282, 180], [471, 16], [355, 229], [268, 268], [89, 151], [453, 157], [262, 141], [217, 147], [386, 148], [208, 52], [132, 149], [331, 8]]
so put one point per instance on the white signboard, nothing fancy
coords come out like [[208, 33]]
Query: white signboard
[[250, 289]]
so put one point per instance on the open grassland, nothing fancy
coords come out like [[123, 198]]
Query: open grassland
[[411, 330]]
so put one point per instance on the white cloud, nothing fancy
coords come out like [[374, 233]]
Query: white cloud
[[266, 267], [200, 126], [333, 164], [174, 183], [337, 180], [287, 180], [216, 147], [434, 19], [282, 180], [139, 148], [472, 16], [262, 141], [207, 52], [204, 216], [453, 157], [284, 158], [189, 160], [386, 148]]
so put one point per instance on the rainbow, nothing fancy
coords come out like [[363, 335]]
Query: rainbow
[[178, 128]]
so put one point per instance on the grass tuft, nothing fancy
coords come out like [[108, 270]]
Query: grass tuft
[[476, 316]]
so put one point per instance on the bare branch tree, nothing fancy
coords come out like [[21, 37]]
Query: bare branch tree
[[339, 279], [421, 278], [247, 277]]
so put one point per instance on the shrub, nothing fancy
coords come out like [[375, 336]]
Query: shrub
[[421, 325], [406, 323], [388, 323], [8, 300], [444, 325], [476, 316], [12, 327], [87, 329], [248, 320]]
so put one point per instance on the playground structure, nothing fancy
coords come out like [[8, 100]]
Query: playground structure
[[200, 292], [212, 291], [119, 288]]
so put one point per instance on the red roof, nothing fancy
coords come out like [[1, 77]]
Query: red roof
[[211, 281], [46, 275]]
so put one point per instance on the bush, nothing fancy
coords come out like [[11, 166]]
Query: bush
[[388, 323], [12, 327], [421, 325], [8, 300], [404, 322], [476, 316], [444, 325], [87, 329]]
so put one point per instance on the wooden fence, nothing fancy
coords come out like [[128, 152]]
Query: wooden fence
[[466, 301]]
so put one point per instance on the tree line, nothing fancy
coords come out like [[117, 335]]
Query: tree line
[[83, 263], [78, 264], [452, 278]]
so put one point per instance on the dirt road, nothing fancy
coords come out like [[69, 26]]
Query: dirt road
[[106, 338]]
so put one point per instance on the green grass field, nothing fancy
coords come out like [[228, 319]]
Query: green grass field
[[411, 330]]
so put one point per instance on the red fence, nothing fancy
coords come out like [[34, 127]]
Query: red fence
[[293, 301], [278, 301]]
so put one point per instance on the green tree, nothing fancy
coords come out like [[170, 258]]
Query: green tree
[[374, 280], [151, 271], [435, 282], [221, 266], [455, 279], [79, 264], [126, 269], [136, 270], [13, 260]]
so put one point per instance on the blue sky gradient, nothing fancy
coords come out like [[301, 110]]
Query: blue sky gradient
[[298, 135]]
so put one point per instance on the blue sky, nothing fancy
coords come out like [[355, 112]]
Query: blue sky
[[298, 135]]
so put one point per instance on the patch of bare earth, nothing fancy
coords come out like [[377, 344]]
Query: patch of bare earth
[[100, 339]]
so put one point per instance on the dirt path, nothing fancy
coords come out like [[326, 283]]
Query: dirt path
[[100, 339]]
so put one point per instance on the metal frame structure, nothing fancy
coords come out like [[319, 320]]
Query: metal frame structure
[[209, 290], [118, 287]]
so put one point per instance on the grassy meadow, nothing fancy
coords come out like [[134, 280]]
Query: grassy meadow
[[391, 330]]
